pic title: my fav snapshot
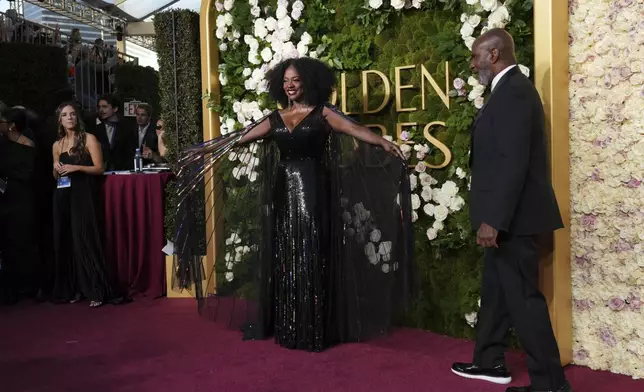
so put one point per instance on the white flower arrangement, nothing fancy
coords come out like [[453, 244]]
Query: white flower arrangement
[[606, 177]]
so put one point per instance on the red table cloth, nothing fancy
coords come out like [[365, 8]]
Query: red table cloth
[[134, 235]]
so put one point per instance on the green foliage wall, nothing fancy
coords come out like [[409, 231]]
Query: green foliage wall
[[32, 75], [140, 83], [179, 57], [351, 37]]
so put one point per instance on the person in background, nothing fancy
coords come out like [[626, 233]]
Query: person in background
[[147, 140], [18, 253], [80, 269], [160, 133], [116, 142]]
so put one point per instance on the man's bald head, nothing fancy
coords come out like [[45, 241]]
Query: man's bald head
[[500, 40], [492, 52]]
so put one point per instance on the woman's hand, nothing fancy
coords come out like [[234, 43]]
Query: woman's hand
[[392, 148], [68, 169]]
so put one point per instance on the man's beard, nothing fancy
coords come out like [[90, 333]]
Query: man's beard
[[485, 77]]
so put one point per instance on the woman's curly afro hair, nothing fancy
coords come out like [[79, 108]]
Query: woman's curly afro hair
[[317, 78]]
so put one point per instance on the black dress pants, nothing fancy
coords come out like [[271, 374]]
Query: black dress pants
[[510, 297]]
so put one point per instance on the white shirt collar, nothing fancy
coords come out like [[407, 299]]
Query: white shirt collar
[[498, 77]]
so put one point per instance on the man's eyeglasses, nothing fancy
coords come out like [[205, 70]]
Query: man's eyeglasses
[[159, 127]]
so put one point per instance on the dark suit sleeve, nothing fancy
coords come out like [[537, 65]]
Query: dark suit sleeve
[[512, 133]]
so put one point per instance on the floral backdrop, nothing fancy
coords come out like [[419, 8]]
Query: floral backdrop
[[356, 35], [607, 170]]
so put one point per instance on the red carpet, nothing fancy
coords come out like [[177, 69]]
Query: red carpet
[[164, 346]]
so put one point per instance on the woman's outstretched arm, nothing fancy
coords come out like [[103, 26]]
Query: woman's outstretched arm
[[361, 132], [258, 132]]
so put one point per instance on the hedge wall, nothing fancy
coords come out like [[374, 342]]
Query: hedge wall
[[179, 89], [33, 84], [140, 83]]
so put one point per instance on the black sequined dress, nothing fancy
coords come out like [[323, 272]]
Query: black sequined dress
[[317, 239]]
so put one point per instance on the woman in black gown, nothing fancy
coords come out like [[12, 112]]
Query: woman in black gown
[[18, 255], [328, 223], [80, 270]]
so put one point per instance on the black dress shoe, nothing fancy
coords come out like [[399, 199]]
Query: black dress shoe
[[564, 388], [498, 374]]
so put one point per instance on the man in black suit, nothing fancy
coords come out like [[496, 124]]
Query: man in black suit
[[512, 204], [147, 140], [117, 142]]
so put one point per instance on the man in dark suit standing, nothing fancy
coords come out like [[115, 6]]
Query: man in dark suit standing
[[146, 135], [512, 204], [117, 142]]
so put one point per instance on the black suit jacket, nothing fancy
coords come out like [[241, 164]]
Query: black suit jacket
[[511, 189], [120, 154], [150, 139]]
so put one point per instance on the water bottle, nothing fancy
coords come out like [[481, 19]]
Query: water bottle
[[138, 161]]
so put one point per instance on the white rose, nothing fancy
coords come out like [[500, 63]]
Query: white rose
[[228, 4], [296, 14], [398, 4], [266, 54], [281, 12], [298, 5], [440, 213], [432, 233], [459, 83], [228, 19], [414, 216], [489, 5], [450, 188], [375, 4], [415, 201], [282, 3], [469, 42], [499, 16], [467, 30], [426, 193], [306, 38], [524, 70], [413, 181], [220, 32], [271, 23], [253, 58], [456, 204], [219, 6], [479, 102], [285, 34], [260, 32], [255, 11], [420, 167], [464, 17], [385, 250], [375, 235], [438, 225], [223, 47], [237, 106], [429, 209], [283, 23], [230, 276], [246, 72], [302, 49], [230, 124], [472, 318], [223, 80], [472, 81], [474, 20], [460, 173], [472, 2]]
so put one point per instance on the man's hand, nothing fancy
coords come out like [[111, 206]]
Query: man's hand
[[147, 153], [486, 236]]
